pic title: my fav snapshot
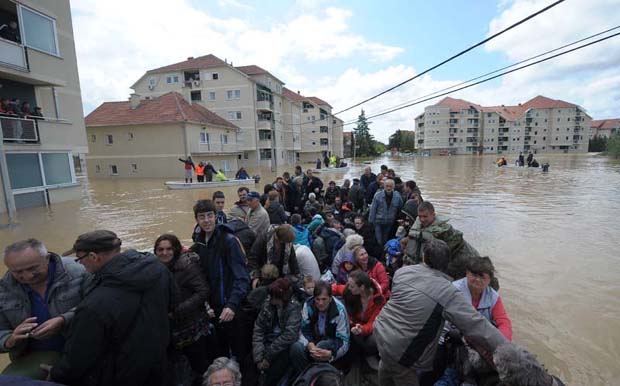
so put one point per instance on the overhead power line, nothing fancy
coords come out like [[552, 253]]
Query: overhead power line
[[501, 69], [453, 57], [487, 79]]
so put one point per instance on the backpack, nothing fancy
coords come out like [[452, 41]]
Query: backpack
[[309, 376]]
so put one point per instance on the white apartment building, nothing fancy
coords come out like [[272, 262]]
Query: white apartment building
[[38, 65], [456, 126], [321, 132]]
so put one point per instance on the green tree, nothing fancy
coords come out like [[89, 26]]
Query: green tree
[[402, 140], [597, 144], [613, 146], [364, 141], [395, 140]]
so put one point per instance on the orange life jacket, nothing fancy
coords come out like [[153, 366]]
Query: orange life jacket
[[200, 170]]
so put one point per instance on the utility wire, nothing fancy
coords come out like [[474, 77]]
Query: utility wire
[[487, 79], [453, 57], [503, 68]]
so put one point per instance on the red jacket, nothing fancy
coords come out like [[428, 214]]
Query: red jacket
[[367, 318], [376, 271]]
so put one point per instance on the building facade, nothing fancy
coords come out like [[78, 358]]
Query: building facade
[[604, 127], [146, 138], [250, 97], [38, 65], [540, 125]]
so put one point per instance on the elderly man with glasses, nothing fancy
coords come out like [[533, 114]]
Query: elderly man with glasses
[[38, 295]]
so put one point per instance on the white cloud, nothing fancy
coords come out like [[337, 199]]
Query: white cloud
[[234, 4], [115, 48]]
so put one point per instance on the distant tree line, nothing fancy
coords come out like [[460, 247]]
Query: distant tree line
[[610, 145], [403, 141]]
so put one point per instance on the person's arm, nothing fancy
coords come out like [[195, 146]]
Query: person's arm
[[338, 289], [199, 289], [256, 255], [79, 357], [290, 333], [343, 332], [367, 327], [500, 316], [258, 336], [305, 334], [282, 215], [382, 277], [373, 211], [241, 279]]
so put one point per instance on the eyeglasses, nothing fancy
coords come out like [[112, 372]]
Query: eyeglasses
[[78, 258]]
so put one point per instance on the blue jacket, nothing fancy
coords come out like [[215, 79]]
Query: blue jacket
[[392, 247], [336, 326], [223, 262], [302, 235], [379, 211]]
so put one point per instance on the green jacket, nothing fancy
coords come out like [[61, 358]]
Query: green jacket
[[460, 250]]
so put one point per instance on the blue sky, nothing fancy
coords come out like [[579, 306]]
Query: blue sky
[[345, 51]]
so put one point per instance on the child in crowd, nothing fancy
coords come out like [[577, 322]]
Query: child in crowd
[[346, 267], [309, 284]]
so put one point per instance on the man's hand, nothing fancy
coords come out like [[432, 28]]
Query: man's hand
[[321, 355], [227, 315], [21, 332], [48, 329], [263, 365], [356, 330]]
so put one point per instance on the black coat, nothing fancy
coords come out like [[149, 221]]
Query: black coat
[[276, 213], [366, 180], [121, 329], [314, 183]]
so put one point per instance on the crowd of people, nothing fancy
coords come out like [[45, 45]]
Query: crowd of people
[[300, 285], [14, 108], [521, 161]]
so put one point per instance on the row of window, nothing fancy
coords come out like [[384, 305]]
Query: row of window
[[196, 95], [205, 138], [113, 169], [171, 79]]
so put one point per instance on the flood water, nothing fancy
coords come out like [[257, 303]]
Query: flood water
[[553, 238]]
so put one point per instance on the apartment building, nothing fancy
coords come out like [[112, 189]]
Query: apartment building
[[38, 65], [604, 127], [291, 122], [146, 138], [456, 126], [321, 133]]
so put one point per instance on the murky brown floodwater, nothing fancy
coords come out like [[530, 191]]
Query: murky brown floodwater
[[553, 238]]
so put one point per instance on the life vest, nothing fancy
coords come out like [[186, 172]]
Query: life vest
[[200, 170]]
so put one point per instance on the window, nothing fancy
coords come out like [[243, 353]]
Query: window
[[211, 95], [56, 168], [264, 135], [324, 129], [97, 169], [134, 168], [265, 154], [113, 170], [39, 31], [24, 170], [130, 136], [196, 96], [172, 79], [246, 155], [224, 138], [215, 76], [234, 115], [233, 94], [225, 165], [93, 138], [204, 137], [151, 82], [324, 142], [109, 139]]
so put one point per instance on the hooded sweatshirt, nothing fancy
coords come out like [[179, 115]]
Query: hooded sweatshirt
[[120, 330]]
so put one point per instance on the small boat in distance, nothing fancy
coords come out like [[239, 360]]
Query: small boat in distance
[[212, 184]]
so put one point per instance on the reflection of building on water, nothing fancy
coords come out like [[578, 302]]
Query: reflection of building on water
[[40, 68], [274, 126], [540, 125]]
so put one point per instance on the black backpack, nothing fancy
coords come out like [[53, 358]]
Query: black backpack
[[312, 372]]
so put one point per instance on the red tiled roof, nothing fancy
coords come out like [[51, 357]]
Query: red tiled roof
[[292, 95], [510, 113], [457, 104], [207, 61], [541, 102], [170, 107], [319, 101], [255, 70], [608, 124]]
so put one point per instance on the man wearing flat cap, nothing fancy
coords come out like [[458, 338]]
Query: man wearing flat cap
[[120, 330]]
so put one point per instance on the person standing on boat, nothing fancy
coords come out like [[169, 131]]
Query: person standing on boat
[[314, 185], [367, 178], [222, 260], [219, 200], [318, 163], [188, 166], [257, 218], [384, 209], [242, 174], [521, 159], [326, 160], [209, 172], [200, 172], [240, 209], [530, 157]]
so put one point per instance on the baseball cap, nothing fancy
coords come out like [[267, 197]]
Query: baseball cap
[[253, 194], [96, 241]]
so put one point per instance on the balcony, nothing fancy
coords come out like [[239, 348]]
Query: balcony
[[18, 130], [264, 105], [214, 148], [263, 125], [13, 55], [503, 130], [472, 130]]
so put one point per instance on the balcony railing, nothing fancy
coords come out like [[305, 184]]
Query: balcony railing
[[19, 130], [13, 55], [264, 105], [215, 147]]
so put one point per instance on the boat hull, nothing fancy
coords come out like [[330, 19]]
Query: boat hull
[[212, 184]]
